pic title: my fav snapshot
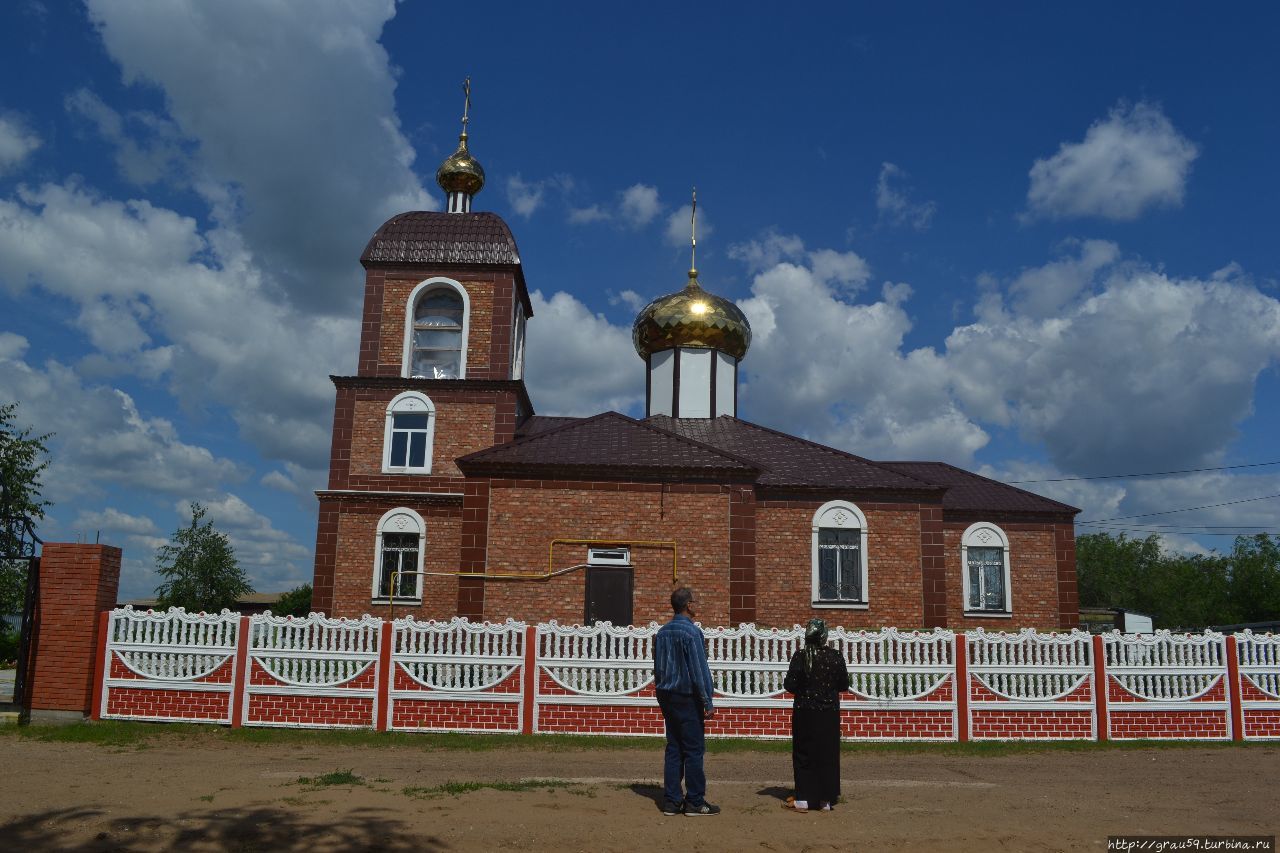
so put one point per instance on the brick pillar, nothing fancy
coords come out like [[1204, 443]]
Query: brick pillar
[[933, 570], [371, 325], [1064, 536], [474, 552], [77, 582], [325, 576], [742, 555]]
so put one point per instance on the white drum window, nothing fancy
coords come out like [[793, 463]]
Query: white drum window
[[409, 433], [437, 321], [984, 555], [398, 559], [839, 556]]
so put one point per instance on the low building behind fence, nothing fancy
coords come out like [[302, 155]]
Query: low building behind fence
[[517, 678]]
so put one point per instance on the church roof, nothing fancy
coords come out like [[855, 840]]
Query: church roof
[[607, 444], [432, 237], [969, 491], [725, 444]]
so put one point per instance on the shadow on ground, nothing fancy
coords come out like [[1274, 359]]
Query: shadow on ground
[[82, 830], [649, 792], [776, 792]]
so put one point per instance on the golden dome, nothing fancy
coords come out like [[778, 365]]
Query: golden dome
[[691, 318], [460, 172]]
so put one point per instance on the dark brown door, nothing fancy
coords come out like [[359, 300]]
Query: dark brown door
[[608, 595]]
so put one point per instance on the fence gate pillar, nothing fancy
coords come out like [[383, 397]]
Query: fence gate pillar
[[530, 679], [386, 675], [240, 677], [1234, 697], [1100, 688]]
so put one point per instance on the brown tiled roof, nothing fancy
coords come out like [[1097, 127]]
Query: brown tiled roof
[[607, 443], [431, 237], [541, 423], [790, 462], [969, 491]]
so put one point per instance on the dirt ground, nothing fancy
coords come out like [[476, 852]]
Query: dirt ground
[[205, 793]]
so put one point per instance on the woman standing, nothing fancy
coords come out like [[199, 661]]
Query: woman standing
[[816, 677]]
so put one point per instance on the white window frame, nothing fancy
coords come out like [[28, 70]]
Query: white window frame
[[421, 290], [517, 340], [619, 555], [839, 515], [984, 534], [399, 520], [410, 402]]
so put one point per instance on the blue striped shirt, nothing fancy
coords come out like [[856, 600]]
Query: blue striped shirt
[[680, 660]]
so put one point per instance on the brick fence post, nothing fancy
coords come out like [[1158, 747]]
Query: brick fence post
[[385, 676], [239, 698], [77, 583], [1234, 698], [1100, 689], [530, 679], [962, 687]]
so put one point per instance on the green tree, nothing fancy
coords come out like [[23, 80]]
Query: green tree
[[1254, 585], [295, 602], [200, 569], [23, 458]]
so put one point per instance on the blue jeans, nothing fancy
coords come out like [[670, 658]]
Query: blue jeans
[[685, 747]]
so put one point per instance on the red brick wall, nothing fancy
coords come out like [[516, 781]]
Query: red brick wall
[[354, 563], [77, 582], [524, 516], [1034, 580], [784, 537]]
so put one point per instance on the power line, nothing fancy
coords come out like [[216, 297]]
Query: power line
[[1186, 509], [1149, 474]]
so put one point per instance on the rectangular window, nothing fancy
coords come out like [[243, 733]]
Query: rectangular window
[[986, 579], [399, 554], [839, 564], [609, 557], [409, 440]]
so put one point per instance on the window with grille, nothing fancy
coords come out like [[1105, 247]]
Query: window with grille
[[399, 554], [985, 555], [839, 565]]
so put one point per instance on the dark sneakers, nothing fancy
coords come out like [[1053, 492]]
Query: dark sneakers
[[669, 808], [706, 809]]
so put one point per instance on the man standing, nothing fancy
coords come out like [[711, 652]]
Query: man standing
[[683, 682]]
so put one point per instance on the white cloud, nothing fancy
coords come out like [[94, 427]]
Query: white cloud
[[679, 226], [846, 269], [629, 298], [523, 196], [895, 206], [587, 215], [112, 521], [17, 142], [148, 151], [639, 205], [1132, 161], [253, 86], [578, 362], [1043, 291]]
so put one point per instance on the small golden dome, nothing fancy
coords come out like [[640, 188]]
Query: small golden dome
[[691, 318], [460, 172]]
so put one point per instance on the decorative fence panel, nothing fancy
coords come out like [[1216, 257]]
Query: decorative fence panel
[[1258, 661], [595, 679], [312, 673], [173, 666], [1166, 685], [1030, 686], [512, 677], [457, 676]]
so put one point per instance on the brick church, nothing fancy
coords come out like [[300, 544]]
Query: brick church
[[448, 495]]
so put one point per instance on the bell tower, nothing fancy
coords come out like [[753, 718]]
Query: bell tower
[[439, 375]]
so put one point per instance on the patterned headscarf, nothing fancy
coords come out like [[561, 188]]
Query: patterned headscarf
[[815, 637]]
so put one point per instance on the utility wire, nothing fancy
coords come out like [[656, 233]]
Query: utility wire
[[1185, 509], [1149, 474]]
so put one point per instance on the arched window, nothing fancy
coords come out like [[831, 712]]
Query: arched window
[[401, 538], [436, 327], [839, 559], [984, 553], [410, 430]]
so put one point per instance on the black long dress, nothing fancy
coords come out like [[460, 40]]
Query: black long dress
[[815, 724]]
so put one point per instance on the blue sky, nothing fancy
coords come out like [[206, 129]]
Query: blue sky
[[1036, 242]]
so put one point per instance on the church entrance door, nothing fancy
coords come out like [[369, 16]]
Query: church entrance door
[[608, 595]]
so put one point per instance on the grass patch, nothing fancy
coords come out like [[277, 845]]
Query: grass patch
[[121, 734], [455, 789], [337, 777]]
